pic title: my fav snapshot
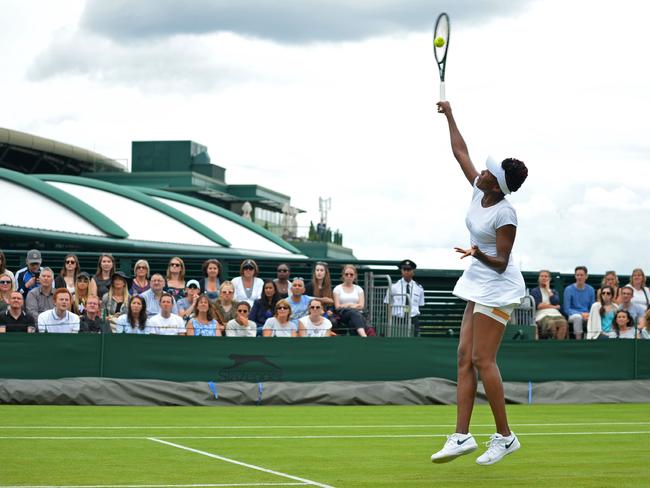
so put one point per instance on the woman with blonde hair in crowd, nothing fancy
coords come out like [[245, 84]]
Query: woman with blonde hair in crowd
[[279, 325], [610, 279], [82, 284], [210, 283], [248, 287], [642, 326], [6, 288], [600, 324], [641, 292], [3, 266], [101, 281], [225, 307], [349, 301], [175, 278], [115, 301], [204, 322], [140, 282], [68, 276]]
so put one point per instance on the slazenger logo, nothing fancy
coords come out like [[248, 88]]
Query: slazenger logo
[[251, 367]]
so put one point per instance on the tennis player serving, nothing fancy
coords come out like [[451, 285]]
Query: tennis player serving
[[492, 286]]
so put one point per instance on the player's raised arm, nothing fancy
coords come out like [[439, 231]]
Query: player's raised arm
[[458, 145]]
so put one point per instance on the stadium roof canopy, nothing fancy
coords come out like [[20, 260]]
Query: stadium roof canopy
[[72, 212], [28, 153]]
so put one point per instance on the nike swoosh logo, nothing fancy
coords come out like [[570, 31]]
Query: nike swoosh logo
[[508, 445], [460, 443]]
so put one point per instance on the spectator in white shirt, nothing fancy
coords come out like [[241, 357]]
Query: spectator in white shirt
[[240, 326], [314, 324], [59, 319], [165, 322]]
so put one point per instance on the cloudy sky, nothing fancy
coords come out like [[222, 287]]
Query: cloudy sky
[[336, 98]]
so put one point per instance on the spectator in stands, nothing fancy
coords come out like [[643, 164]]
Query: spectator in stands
[[102, 279], [41, 298], [641, 291], [68, 276], [314, 324], [624, 325], [187, 304], [14, 318], [27, 278], [140, 282], [81, 293], [642, 326], [610, 279], [349, 302], [175, 284], [241, 326], [91, 321], [152, 296], [298, 300], [134, 321], [578, 299], [320, 287], [551, 324], [204, 322], [225, 306], [282, 280], [601, 316], [636, 311], [407, 286], [59, 319], [3, 267], [211, 283], [248, 287], [264, 307], [279, 325], [6, 289], [116, 299], [165, 322]]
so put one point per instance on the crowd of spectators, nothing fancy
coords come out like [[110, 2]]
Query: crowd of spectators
[[611, 312], [109, 301]]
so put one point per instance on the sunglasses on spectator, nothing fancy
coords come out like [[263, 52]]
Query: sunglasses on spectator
[[140, 267], [227, 292], [606, 293], [282, 270], [243, 310], [175, 264], [70, 261], [248, 266], [315, 307], [5, 282], [348, 274], [282, 308]]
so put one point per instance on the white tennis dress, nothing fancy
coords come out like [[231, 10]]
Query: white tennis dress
[[480, 283]]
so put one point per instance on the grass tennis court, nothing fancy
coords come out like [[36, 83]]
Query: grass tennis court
[[562, 446]]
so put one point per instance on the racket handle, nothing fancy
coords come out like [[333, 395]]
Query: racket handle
[[442, 91]]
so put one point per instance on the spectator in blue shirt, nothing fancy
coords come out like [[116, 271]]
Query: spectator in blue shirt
[[578, 299]]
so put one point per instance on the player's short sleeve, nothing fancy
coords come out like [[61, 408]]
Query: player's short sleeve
[[505, 216]]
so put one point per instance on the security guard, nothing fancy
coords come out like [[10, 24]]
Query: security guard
[[407, 286]]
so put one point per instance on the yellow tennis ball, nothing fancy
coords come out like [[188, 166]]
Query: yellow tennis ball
[[439, 42]]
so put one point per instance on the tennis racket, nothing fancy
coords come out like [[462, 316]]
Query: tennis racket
[[441, 32]]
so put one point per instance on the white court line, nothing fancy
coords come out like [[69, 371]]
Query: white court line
[[235, 427], [276, 437], [239, 463], [153, 486]]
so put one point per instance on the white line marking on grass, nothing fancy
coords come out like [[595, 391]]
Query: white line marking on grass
[[239, 463], [276, 437], [236, 427], [153, 486]]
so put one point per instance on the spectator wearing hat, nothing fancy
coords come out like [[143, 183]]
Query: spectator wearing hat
[[41, 298], [81, 292], [27, 278], [248, 287], [59, 319], [14, 318], [115, 301], [407, 295], [152, 296], [91, 322], [187, 304]]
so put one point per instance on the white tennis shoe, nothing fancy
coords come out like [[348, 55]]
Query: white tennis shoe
[[456, 445], [498, 447]]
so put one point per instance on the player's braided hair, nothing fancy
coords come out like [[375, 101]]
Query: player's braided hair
[[516, 173]]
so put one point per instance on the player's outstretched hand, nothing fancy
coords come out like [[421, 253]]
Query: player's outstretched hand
[[444, 108], [466, 252]]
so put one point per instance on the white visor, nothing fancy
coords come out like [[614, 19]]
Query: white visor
[[495, 168]]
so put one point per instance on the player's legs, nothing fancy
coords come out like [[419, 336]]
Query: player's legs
[[466, 375]]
